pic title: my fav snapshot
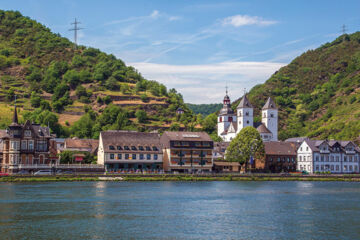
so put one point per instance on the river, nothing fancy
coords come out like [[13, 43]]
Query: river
[[180, 210]]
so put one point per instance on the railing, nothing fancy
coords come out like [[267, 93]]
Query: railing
[[72, 166]]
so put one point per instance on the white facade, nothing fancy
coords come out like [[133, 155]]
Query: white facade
[[320, 156], [245, 118], [270, 119]]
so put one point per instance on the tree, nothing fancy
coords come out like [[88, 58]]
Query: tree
[[247, 143], [141, 116], [35, 100], [209, 123]]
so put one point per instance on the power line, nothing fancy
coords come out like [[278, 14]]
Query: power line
[[75, 29]]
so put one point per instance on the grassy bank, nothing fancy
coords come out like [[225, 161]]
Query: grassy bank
[[178, 178]]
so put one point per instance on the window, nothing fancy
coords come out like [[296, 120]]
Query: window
[[355, 168], [350, 168], [141, 156], [133, 148], [27, 133], [111, 147], [322, 158], [14, 145], [301, 149], [126, 148], [332, 158], [327, 158], [41, 146], [332, 167], [307, 148], [119, 148], [185, 144], [119, 156], [271, 115], [197, 144], [126, 156], [247, 114], [317, 167], [293, 159], [337, 158], [155, 157], [147, 148], [111, 156], [148, 156], [220, 119], [23, 145], [337, 168], [247, 122], [300, 158], [350, 158], [345, 168], [155, 148], [134, 156], [141, 148], [271, 159], [206, 144], [288, 160], [322, 167], [31, 145], [279, 159], [345, 159]]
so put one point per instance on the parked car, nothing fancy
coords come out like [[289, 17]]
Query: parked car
[[43, 172], [23, 172], [3, 174], [64, 172]]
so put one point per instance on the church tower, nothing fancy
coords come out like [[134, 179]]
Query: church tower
[[245, 114], [225, 118], [270, 118]]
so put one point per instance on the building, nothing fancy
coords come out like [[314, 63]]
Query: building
[[230, 124], [328, 156], [81, 146], [220, 150], [280, 157], [187, 151], [130, 151], [26, 144]]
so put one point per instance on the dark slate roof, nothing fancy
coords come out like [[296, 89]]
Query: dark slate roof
[[226, 110], [41, 131], [187, 136], [263, 129], [129, 138], [270, 104], [296, 139], [280, 148], [245, 103]]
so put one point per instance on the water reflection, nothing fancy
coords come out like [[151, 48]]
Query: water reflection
[[180, 210]]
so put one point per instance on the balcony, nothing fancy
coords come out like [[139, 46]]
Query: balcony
[[350, 152]]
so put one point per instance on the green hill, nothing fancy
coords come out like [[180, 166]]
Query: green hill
[[204, 109], [318, 93], [88, 90]]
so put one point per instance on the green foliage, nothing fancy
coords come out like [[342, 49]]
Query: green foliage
[[209, 123], [204, 109], [45, 118], [141, 116], [247, 143]]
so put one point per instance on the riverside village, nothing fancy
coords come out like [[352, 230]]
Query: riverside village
[[29, 148]]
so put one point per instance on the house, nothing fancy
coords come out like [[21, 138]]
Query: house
[[81, 146], [328, 156], [230, 124], [26, 146], [280, 157], [187, 151], [130, 151]]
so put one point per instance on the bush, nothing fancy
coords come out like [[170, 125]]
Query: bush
[[107, 100], [141, 116], [144, 98], [352, 99]]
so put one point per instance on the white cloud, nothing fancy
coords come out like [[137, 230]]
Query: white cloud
[[243, 20], [206, 83], [174, 18], [155, 14]]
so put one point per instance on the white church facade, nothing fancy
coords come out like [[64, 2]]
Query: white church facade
[[230, 123]]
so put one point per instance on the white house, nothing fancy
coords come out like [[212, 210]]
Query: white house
[[328, 156]]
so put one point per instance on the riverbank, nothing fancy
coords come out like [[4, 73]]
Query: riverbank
[[170, 177]]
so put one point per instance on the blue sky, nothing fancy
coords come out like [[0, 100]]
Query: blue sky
[[199, 46]]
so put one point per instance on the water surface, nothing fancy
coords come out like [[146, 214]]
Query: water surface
[[180, 210]]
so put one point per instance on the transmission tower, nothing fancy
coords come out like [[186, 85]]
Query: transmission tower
[[343, 29], [75, 29]]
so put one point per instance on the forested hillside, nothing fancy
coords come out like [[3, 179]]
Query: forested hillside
[[204, 109], [318, 93], [80, 90]]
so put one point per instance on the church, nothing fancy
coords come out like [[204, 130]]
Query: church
[[230, 124]]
